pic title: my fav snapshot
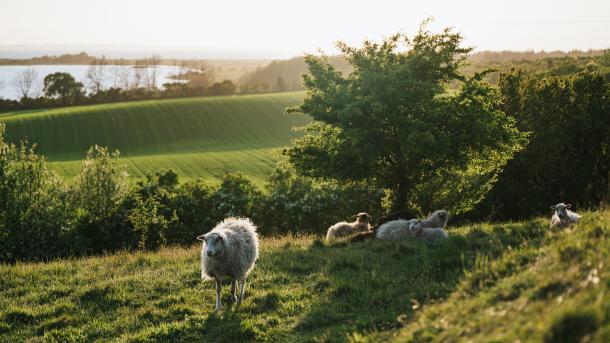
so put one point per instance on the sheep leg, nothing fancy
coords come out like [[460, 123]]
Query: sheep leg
[[242, 284], [233, 290], [217, 294]]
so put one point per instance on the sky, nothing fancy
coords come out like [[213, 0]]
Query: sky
[[283, 29]]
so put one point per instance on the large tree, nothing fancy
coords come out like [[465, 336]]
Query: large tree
[[392, 121], [64, 86]]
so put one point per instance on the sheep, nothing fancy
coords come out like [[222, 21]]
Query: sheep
[[343, 229], [366, 235], [396, 230], [563, 217], [229, 251], [429, 229]]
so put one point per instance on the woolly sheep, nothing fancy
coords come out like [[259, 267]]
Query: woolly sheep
[[229, 251], [343, 229], [563, 217], [429, 229], [366, 235], [396, 230]]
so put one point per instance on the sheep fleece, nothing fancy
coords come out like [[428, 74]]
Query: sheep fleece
[[240, 253]]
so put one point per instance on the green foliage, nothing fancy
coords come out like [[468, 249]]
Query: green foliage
[[64, 86], [33, 213], [148, 224], [391, 122], [236, 197], [98, 195], [294, 203], [568, 157]]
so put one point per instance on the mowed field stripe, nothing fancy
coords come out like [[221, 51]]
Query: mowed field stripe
[[204, 137]]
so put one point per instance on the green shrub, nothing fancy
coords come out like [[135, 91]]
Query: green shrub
[[33, 213], [101, 204]]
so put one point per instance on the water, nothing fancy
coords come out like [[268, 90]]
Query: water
[[8, 75]]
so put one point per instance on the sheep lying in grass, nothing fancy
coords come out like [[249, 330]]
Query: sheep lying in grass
[[430, 229], [396, 230], [343, 229], [563, 217], [366, 235], [229, 251]]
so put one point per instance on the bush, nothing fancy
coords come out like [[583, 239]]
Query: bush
[[297, 204], [33, 213], [148, 224], [101, 204]]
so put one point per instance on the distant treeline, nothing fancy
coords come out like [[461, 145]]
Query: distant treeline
[[83, 58], [130, 82], [289, 72]]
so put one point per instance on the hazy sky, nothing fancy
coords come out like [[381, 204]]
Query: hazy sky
[[281, 29]]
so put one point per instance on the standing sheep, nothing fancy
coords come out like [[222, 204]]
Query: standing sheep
[[229, 250], [563, 217], [343, 229]]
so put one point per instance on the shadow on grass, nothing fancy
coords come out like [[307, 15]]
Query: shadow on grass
[[365, 286]]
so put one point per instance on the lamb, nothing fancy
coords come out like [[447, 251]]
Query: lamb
[[563, 217], [430, 229], [229, 251], [343, 229]]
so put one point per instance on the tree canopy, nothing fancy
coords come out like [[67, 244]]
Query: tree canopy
[[392, 121], [63, 85]]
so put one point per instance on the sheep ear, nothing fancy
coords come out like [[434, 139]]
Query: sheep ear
[[553, 207], [568, 205], [201, 238]]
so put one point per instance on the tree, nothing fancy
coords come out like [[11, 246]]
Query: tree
[[392, 122], [280, 84], [152, 64], [96, 74], [64, 86], [24, 82], [568, 156], [225, 87]]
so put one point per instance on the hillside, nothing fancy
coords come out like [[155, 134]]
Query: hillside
[[488, 282], [197, 137]]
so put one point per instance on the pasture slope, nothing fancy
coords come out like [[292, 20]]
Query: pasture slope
[[502, 282], [197, 137]]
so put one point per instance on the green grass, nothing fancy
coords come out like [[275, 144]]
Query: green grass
[[488, 282], [197, 137]]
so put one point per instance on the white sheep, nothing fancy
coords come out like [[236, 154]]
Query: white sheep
[[229, 251], [430, 229], [396, 230], [342, 229], [563, 217]]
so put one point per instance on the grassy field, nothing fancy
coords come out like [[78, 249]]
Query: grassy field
[[488, 282], [197, 137]]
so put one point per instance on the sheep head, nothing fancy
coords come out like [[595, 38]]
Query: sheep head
[[561, 209], [363, 217], [214, 243]]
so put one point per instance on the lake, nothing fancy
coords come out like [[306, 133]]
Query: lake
[[8, 74]]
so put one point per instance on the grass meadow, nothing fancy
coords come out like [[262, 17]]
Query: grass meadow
[[203, 137], [488, 282]]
